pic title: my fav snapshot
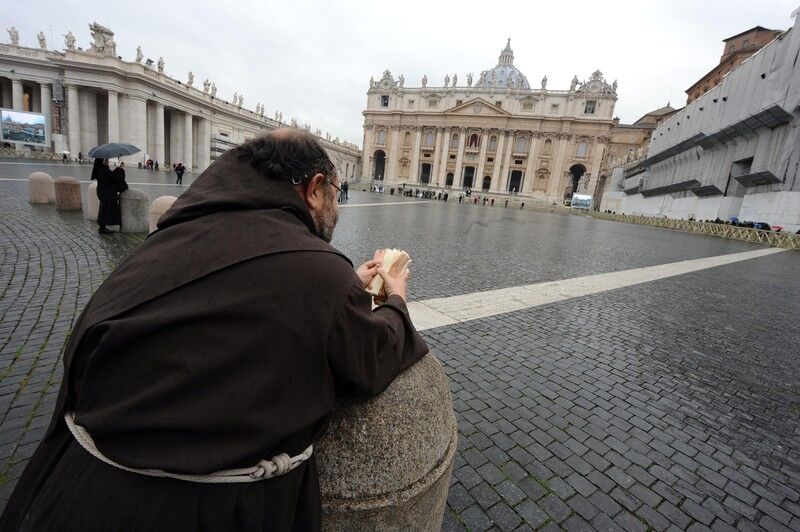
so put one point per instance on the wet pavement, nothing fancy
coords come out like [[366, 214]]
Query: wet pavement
[[672, 404]]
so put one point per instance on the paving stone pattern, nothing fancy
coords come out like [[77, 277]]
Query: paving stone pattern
[[670, 405]]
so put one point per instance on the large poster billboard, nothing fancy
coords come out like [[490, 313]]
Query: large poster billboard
[[18, 126], [581, 201]]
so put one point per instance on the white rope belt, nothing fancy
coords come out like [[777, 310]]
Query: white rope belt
[[277, 466]]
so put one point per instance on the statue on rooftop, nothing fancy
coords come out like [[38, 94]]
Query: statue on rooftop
[[446, 80], [139, 54], [206, 86], [574, 83], [69, 41], [544, 83], [424, 81], [13, 35], [469, 79], [213, 89], [42, 40], [401, 80], [190, 81], [160, 65], [455, 79]]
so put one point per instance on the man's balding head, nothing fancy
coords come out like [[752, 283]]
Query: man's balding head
[[296, 158]]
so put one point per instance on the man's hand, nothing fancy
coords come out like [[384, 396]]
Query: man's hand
[[367, 271], [397, 286]]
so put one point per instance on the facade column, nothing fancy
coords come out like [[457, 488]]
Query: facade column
[[187, 142], [597, 161], [481, 159], [46, 104], [73, 121], [528, 178], [158, 156], [413, 175], [17, 96], [462, 133], [498, 161], [366, 153], [505, 171], [394, 154], [441, 176], [437, 154], [113, 117], [555, 191]]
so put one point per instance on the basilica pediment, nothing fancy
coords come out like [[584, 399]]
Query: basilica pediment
[[479, 107]]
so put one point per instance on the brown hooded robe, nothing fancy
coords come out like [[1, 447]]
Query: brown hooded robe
[[224, 339]]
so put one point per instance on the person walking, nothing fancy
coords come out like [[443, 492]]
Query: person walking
[[80, 157], [109, 185], [345, 188], [179, 171]]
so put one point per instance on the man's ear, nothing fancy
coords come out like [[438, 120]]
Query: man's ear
[[315, 192]]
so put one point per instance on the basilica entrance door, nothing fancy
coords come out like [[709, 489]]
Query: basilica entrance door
[[469, 177], [425, 173], [515, 182]]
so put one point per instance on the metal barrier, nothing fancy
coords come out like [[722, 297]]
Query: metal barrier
[[745, 234]]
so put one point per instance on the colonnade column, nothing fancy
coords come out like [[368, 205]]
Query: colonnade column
[[46, 99], [73, 121], [506, 169], [138, 131], [17, 102], [187, 141], [498, 160], [462, 132], [528, 178], [203, 144], [16, 95], [390, 170], [113, 117], [158, 156], [413, 175]]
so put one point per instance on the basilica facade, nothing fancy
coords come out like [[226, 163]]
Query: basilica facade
[[494, 133]]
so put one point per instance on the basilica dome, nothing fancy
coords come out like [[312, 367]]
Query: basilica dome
[[504, 74]]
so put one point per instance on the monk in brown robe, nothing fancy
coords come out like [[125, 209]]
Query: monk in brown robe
[[224, 340]]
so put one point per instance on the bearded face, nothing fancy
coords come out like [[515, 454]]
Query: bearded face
[[326, 220]]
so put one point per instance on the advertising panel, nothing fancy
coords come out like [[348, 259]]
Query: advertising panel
[[18, 126], [581, 201]]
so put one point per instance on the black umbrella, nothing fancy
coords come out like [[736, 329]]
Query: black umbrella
[[114, 149]]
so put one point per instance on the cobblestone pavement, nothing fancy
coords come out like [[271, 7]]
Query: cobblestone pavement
[[674, 404]]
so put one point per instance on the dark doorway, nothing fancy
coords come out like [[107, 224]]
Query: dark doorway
[[469, 176], [380, 165], [515, 182], [576, 171], [449, 181], [487, 182], [425, 173]]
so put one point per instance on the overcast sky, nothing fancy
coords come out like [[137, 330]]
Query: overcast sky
[[313, 59]]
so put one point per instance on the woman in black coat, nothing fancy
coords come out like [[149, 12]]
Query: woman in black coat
[[109, 186]]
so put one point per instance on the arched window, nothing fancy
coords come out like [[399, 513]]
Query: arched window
[[454, 141], [407, 139], [582, 148], [492, 143], [381, 137], [473, 140], [429, 138], [522, 144], [548, 147]]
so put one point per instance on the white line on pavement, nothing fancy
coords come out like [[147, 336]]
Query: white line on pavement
[[85, 182], [442, 311], [383, 203]]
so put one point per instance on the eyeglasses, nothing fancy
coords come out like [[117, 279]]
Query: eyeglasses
[[331, 183]]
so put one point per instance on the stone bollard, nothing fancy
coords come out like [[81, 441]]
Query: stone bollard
[[92, 202], [40, 188], [386, 464], [134, 204], [157, 209], [68, 194]]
